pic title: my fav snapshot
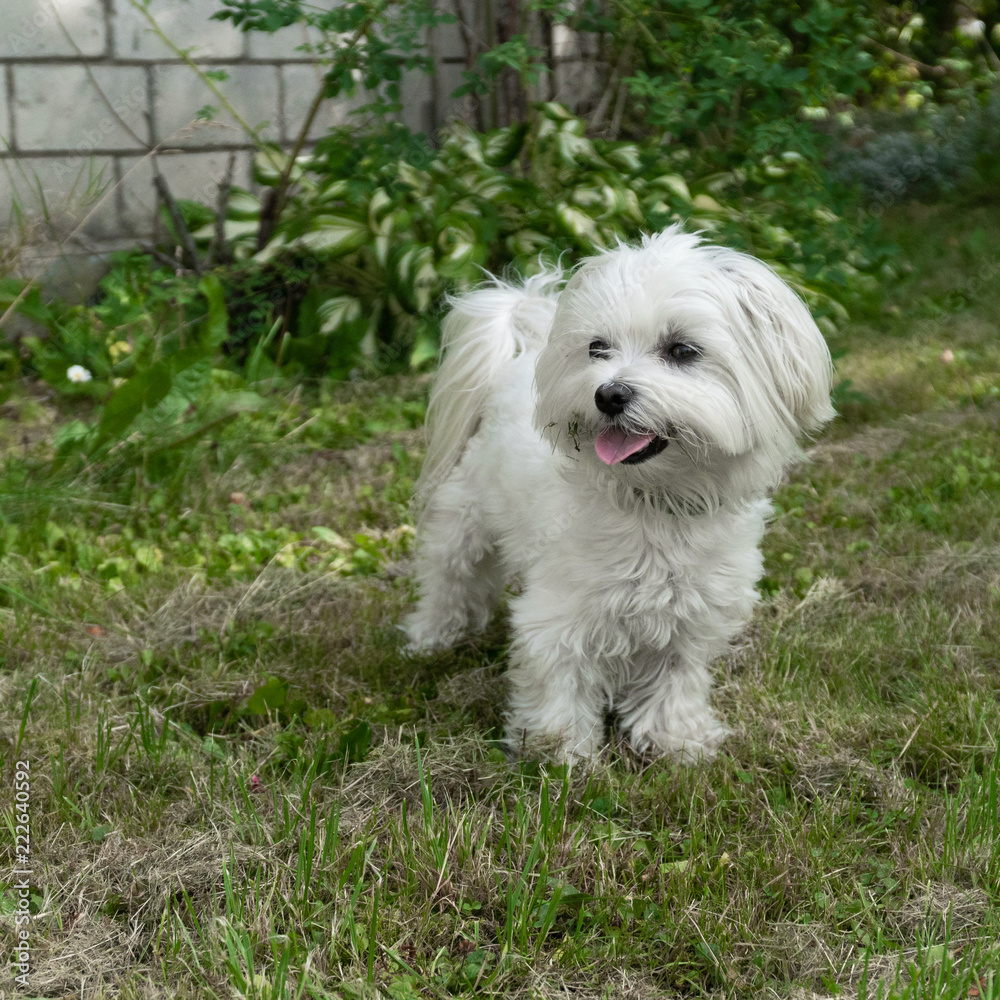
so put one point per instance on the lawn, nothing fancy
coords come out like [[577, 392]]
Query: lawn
[[240, 787]]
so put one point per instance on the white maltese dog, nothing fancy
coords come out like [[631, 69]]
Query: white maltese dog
[[612, 446]]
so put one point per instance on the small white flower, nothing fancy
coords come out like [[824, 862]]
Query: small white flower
[[972, 28], [77, 373]]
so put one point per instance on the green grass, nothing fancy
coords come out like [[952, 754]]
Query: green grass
[[239, 787]]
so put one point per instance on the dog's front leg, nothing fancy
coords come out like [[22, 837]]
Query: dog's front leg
[[557, 698], [665, 708]]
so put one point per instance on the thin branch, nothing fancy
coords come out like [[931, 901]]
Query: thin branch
[[435, 87], [642, 26], [616, 118], [471, 51], [909, 60], [184, 237], [991, 56], [218, 252], [491, 43], [612, 88], [160, 256], [278, 197]]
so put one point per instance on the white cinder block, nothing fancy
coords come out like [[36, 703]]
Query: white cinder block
[[189, 175], [181, 94], [100, 112], [449, 80], [40, 27], [301, 85], [415, 91], [76, 193], [575, 82], [564, 43], [283, 44], [448, 40], [61, 107], [188, 25]]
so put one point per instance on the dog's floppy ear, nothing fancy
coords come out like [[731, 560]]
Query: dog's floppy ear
[[785, 340]]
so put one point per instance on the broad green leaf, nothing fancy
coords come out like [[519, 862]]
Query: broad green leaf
[[528, 242], [141, 392], [409, 175], [268, 165], [629, 205], [578, 224], [269, 696], [355, 742], [190, 380], [555, 111], [217, 321], [273, 249], [335, 234], [417, 276], [625, 158], [457, 259], [577, 149], [243, 206], [504, 146], [233, 402], [379, 211], [334, 191], [145, 390], [674, 183], [338, 310], [588, 197], [425, 349], [331, 538], [234, 229], [706, 203], [705, 222]]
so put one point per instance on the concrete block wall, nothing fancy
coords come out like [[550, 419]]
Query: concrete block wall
[[88, 88]]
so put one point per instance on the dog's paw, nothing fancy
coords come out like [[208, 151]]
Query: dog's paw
[[693, 744], [555, 748], [425, 637]]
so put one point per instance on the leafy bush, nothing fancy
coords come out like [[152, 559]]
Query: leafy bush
[[370, 241], [147, 351], [926, 154], [366, 43], [341, 267], [374, 233], [112, 337], [731, 80]]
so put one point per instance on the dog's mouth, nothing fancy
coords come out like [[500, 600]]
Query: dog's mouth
[[615, 445]]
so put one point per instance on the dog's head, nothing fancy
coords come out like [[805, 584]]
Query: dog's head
[[682, 370]]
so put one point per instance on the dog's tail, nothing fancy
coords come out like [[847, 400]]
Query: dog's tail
[[484, 330]]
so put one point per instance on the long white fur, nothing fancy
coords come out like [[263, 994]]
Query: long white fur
[[635, 578], [480, 334]]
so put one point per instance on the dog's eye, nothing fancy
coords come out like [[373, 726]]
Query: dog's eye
[[598, 349], [683, 352]]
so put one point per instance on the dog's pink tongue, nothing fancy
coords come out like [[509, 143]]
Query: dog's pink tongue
[[613, 444]]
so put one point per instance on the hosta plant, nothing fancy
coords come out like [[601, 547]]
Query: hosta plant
[[382, 238]]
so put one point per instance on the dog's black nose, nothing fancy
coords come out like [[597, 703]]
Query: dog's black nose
[[612, 397]]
